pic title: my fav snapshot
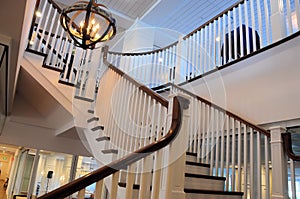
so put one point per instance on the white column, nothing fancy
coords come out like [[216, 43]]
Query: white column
[[180, 58], [279, 165], [176, 168], [278, 23]]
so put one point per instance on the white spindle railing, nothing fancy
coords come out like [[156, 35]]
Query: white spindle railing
[[235, 33], [233, 147]]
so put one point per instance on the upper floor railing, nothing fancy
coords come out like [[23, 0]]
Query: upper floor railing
[[237, 33], [234, 34]]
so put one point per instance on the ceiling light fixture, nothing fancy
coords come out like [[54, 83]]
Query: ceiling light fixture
[[88, 23]]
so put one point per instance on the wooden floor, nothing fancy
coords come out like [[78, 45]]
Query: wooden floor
[[2, 190]]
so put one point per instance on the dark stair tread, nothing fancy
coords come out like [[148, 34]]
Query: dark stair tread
[[53, 68], [93, 119], [197, 164], [191, 175], [96, 128], [213, 192], [91, 111], [66, 83], [123, 184], [108, 151], [84, 98], [191, 154], [104, 138]]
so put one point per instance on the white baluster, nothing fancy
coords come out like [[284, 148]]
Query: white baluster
[[227, 150], [239, 180], [233, 154], [245, 188], [258, 165]]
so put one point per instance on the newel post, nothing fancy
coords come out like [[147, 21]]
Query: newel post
[[173, 185], [279, 164], [278, 23]]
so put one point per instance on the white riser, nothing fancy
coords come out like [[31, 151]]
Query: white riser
[[211, 196], [204, 184], [197, 169], [190, 158]]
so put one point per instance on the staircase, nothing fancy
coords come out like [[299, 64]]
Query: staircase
[[198, 183], [222, 153]]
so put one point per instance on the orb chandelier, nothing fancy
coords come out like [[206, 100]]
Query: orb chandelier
[[88, 23]]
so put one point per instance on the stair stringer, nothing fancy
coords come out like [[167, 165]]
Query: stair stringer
[[48, 79]]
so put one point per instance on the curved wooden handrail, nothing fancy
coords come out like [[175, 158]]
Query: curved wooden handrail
[[122, 163], [144, 88], [287, 142], [214, 18], [255, 127]]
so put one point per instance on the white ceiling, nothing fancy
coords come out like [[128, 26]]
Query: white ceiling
[[179, 15]]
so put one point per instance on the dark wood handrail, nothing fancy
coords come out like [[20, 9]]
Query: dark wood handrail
[[122, 163], [144, 88], [214, 18], [287, 143], [255, 127]]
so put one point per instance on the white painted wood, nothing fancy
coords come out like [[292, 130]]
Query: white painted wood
[[98, 190], [227, 150], [229, 36], [234, 33], [293, 176], [45, 24], [114, 185], [204, 184], [222, 122], [81, 194], [297, 10], [195, 169], [267, 21], [258, 165], [253, 20], [212, 129], [241, 15], [289, 17], [233, 154], [247, 25], [278, 23], [267, 176], [279, 164], [218, 134], [130, 181], [210, 196], [245, 188], [239, 161], [260, 21], [252, 185], [40, 21]]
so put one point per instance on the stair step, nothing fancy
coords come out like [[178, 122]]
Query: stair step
[[123, 184], [96, 128], [53, 68], [210, 194], [197, 168], [104, 138], [110, 151], [93, 119], [66, 83], [91, 111], [191, 157], [206, 182], [84, 98]]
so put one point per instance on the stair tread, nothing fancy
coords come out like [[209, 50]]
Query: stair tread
[[83, 98], [197, 164], [108, 151], [204, 176], [213, 192], [191, 154], [93, 119], [66, 83], [91, 111], [96, 128], [103, 138], [53, 68]]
